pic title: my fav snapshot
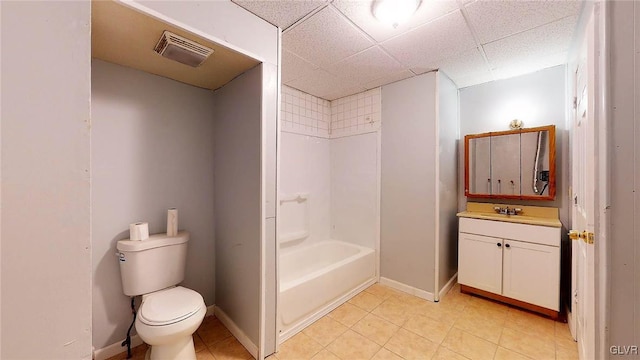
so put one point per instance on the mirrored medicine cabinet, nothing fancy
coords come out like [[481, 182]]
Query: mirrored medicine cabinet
[[516, 164]]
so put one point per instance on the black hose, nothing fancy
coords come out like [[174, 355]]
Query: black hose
[[127, 341]]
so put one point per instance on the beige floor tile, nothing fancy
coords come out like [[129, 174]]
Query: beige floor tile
[[411, 346], [381, 291], [506, 354], [299, 347], [566, 346], [325, 355], [428, 328], [137, 353], [481, 324], [375, 329], [454, 303], [212, 331], [347, 314], [366, 301], [562, 330], [469, 345], [521, 342], [352, 345], [229, 349], [445, 354], [393, 311], [567, 353], [385, 354], [531, 324], [204, 355], [494, 308], [271, 357], [198, 344], [325, 330]]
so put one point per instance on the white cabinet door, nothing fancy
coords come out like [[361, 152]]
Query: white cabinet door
[[480, 262], [532, 273]]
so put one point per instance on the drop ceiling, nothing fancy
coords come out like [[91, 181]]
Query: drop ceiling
[[124, 36], [336, 48]]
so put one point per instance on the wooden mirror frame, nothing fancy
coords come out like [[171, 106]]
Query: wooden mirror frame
[[552, 164]]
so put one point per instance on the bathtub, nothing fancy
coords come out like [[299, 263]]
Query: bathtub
[[317, 278]]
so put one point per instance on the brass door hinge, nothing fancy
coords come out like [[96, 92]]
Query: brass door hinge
[[587, 237]]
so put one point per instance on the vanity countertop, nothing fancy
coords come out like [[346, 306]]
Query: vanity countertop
[[532, 215]]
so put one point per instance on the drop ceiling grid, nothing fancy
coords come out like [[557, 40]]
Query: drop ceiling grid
[[338, 47]]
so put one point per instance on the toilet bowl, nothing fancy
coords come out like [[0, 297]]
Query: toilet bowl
[[167, 320]]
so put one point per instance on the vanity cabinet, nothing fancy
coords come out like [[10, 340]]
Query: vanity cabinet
[[511, 262]]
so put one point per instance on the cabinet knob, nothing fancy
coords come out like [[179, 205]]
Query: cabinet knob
[[499, 244], [507, 245]]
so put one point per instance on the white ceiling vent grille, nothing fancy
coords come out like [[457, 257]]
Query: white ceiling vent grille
[[182, 50]]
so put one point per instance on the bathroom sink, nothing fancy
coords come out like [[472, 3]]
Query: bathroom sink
[[522, 219]]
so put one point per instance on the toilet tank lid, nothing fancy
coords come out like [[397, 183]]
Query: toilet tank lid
[[154, 241]]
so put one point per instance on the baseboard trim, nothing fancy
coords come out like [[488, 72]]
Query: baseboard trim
[[407, 289], [115, 348], [236, 332], [448, 286]]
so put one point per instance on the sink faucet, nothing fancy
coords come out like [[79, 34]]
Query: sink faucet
[[507, 210]]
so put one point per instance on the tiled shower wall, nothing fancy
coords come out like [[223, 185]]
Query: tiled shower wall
[[305, 114]]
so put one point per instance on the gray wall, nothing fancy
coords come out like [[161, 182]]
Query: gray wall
[[46, 256], [238, 200], [448, 134], [537, 99], [152, 149], [624, 157], [407, 235]]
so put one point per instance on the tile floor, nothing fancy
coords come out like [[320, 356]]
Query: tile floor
[[382, 323]]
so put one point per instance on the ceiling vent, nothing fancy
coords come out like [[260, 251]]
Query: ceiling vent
[[182, 50]]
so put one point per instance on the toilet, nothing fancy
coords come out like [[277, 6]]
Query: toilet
[[169, 314]]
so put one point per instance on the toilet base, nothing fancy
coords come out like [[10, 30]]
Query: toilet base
[[182, 349]]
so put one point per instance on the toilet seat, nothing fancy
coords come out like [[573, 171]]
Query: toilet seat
[[169, 306]]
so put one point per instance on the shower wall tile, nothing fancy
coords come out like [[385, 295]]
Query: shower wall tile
[[356, 114], [306, 114], [301, 113]]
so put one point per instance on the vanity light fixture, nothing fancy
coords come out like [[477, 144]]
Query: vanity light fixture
[[394, 12], [516, 124]]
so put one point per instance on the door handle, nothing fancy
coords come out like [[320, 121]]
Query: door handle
[[587, 237]]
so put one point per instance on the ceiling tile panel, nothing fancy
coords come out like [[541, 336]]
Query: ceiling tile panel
[[282, 13], [388, 79], [325, 38], [493, 20], [294, 67], [360, 12], [366, 66], [323, 84], [425, 46], [529, 46], [521, 68], [465, 63], [472, 79]]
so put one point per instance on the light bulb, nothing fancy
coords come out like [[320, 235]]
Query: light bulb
[[394, 12]]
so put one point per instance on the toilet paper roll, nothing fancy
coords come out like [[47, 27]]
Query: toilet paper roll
[[172, 222], [139, 231]]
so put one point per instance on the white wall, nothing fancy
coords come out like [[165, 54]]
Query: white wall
[[537, 99], [152, 149], [448, 122], [305, 168], [408, 182], [624, 155], [238, 200], [354, 189], [46, 249]]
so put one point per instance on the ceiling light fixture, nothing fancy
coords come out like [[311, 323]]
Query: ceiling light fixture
[[394, 12]]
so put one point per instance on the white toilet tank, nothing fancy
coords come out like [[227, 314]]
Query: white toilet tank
[[152, 264]]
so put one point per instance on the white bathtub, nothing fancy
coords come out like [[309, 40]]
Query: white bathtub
[[317, 278]]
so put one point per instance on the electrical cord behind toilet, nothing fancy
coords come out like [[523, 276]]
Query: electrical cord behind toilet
[[127, 340]]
